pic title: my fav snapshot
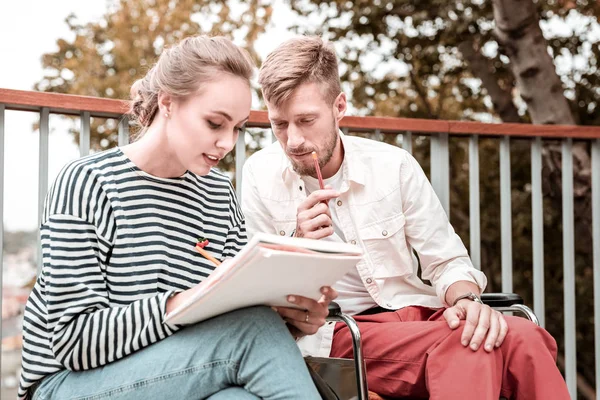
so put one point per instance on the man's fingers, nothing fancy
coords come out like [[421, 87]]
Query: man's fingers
[[320, 221], [483, 326], [292, 314], [316, 197], [329, 294], [313, 212], [452, 316], [494, 331], [472, 318], [503, 330], [313, 307], [305, 328], [319, 233]]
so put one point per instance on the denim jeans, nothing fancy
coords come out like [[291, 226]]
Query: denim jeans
[[245, 354]]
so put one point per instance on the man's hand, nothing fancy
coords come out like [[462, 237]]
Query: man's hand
[[311, 317], [482, 323], [313, 220]]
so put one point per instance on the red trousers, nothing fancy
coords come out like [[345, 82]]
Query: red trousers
[[413, 353]]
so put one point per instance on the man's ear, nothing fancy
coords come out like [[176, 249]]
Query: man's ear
[[165, 103], [340, 106]]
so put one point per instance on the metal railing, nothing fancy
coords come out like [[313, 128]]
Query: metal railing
[[439, 133]]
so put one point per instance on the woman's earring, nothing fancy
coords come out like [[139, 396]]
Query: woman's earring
[[167, 115]]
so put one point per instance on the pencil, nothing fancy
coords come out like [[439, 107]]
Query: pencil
[[318, 169], [319, 176], [200, 248]]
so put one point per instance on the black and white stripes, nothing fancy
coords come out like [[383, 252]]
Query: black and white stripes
[[116, 243]]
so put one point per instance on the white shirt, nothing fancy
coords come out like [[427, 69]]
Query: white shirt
[[387, 206], [353, 296]]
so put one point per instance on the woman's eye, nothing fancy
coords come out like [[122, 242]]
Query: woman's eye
[[213, 125]]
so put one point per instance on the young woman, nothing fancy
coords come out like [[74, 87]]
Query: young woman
[[118, 235]]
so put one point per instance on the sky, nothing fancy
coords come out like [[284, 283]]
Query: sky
[[24, 37], [28, 29]]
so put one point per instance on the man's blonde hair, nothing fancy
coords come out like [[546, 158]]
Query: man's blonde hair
[[307, 59]]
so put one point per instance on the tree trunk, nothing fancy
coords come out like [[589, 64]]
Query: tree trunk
[[520, 35], [481, 68], [518, 31]]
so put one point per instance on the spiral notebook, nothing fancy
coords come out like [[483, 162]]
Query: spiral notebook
[[265, 272]]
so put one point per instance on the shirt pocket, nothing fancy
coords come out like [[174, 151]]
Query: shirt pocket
[[384, 241], [284, 227]]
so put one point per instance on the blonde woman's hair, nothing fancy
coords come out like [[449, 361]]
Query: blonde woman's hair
[[182, 69], [306, 59]]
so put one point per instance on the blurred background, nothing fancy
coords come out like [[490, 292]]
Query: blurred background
[[431, 59]]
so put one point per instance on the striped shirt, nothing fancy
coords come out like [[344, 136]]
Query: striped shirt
[[116, 243]]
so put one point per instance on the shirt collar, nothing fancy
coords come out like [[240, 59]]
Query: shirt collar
[[352, 163]]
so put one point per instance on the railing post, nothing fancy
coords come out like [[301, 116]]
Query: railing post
[[596, 252], [2, 109], [537, 224], [569, 266], [407, 141], [240, 159], [42, 173], [123, 138], [440, 169], [84, 134], [474, 204], [505, 216]]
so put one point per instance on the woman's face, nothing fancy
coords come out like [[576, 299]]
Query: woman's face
[[203, 127]]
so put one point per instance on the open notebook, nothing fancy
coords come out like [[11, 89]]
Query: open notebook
[[265, 272]]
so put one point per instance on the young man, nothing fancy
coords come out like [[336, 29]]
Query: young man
[[434, 341]]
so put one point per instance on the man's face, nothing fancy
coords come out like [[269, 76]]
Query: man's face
[[307, 123]]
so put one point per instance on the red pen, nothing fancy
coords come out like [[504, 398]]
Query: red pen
[[319, 176]]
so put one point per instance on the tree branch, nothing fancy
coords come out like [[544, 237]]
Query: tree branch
[[481, 68]]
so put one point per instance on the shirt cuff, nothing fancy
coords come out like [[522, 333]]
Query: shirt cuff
[[163, 310], [456, 274]]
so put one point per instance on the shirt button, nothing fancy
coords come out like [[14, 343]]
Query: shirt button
[[339, 202], [369, 280], [300, 188], [353, 241], [282, 233], [384, 233], [389, 305]]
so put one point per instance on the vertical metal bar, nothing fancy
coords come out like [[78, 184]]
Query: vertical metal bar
[[2, 109], [505, 216], [123, 138], [84, 134], [407, 142], [440, 169], [240, 159], [474, 218], [596, 252], [537, 223], [569, 266], [42, 173]]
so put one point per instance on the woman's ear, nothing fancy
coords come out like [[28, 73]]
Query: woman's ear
[[340, 106], [165, 102]]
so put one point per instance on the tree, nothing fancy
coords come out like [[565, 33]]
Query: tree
[[408, 59], [107, 56]]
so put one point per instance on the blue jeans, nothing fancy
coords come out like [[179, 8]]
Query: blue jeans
[[245, 354]]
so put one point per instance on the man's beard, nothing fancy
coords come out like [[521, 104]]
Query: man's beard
[[302, 169]]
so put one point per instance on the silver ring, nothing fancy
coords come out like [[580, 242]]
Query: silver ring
[[306, 319]]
